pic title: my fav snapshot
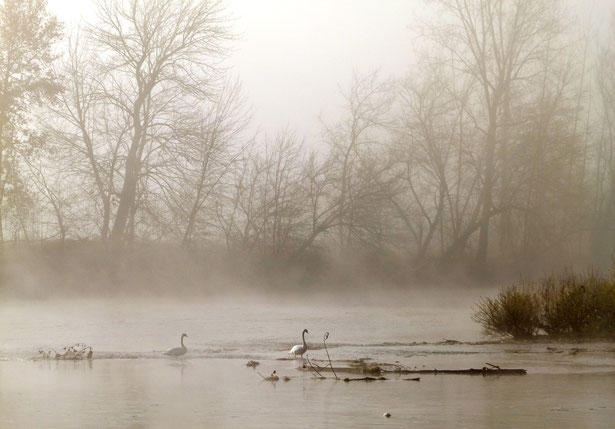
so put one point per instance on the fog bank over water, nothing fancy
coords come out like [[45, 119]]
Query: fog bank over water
[[83, 270]]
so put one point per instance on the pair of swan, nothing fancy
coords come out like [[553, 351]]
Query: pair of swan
[[298, 350]]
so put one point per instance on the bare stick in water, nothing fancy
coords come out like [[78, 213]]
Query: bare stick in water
[[324, 341], [312, 366]]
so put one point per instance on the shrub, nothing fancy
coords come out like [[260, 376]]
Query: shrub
[[514, 312], [569, 305]]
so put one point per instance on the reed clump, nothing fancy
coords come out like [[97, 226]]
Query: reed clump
[[568, 305]]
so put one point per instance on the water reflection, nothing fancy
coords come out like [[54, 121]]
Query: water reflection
[[65, 365], [179, 364]]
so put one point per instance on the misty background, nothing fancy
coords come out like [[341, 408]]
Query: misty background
[[286, 145]]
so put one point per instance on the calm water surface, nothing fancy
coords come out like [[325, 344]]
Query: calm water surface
[[131, 384]]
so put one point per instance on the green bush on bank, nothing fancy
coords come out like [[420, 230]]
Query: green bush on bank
[[566, 306]]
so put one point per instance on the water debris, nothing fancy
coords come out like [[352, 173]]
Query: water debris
[[314, 368], [572, 351], [272, 377], [347, 379], [77, 351], [374, 371], [324, 342], [396, 369], [449, 342], [252, 364], [329, 366]]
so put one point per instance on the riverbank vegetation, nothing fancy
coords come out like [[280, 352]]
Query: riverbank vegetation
[[565, 306]]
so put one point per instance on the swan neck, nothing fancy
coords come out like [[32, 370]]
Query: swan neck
[[182, 341], [303, 336]]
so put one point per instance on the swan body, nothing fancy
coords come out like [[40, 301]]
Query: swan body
[[300, 349], [178, 351]]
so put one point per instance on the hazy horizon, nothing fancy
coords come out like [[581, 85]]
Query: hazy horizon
[[295, 57]]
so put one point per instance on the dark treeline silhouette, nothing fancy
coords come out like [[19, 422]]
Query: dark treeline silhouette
[[494, 151]]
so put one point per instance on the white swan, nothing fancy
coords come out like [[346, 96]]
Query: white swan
[[178, 351], [300, 349]]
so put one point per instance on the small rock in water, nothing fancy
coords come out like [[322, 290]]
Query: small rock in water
[[272, 377], [387, 415]]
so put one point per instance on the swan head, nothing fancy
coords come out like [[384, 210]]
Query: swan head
[[184, 335], [305, 331]]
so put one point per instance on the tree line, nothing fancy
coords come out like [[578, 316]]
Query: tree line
[[496, 146]]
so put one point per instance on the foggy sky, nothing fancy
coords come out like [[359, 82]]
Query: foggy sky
[[293, 56]]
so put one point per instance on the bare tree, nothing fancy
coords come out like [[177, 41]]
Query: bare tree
[[53, 192], [269, 210], [154, 52], [208, 144], [497, 42], [91, 131], [429, 156], [363, 125]]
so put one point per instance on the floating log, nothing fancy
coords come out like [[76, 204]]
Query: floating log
[[471, 371], [364, 379], [494, 370]]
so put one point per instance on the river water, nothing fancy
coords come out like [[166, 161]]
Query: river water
[[130, 383]]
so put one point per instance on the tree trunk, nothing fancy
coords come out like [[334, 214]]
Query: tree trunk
[[133, 166], [3, 121], [127, 197], [486, 196]]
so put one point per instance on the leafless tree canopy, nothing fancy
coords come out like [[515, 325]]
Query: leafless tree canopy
[[496, 148]]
